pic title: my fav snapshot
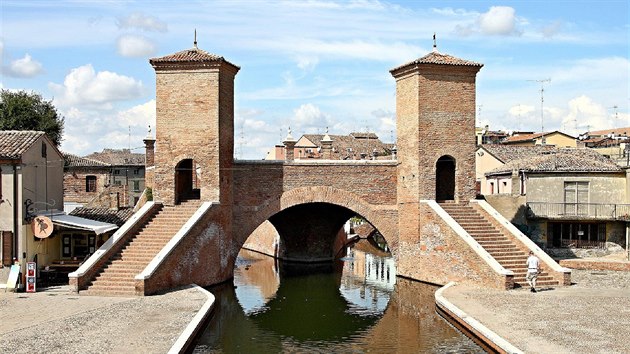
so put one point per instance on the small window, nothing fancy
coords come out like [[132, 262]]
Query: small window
[[136, 171], [116, 172], [90, 184], [136, 186], [44, 150]]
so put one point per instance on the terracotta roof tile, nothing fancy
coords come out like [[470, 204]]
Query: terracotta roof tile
[[616, 131], [111, 216], [13, 143], [118, 157], [440, 59], [193, 55], [77, 161], [507, 153], [523, 137], [352, 146], [560, 160]]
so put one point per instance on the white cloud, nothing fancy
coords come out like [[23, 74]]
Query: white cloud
[[135, 46], [88, 130], [521, 110], [499, 20], [309, 115], [585, 114], [143, 22], [551, 29], [306, 62], [138, 116], [26, 67], [84, 86]]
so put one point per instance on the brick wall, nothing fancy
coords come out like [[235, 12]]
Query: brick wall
[[262, 189], [74, 184], [205, 256], [195, 120], [438, 255]]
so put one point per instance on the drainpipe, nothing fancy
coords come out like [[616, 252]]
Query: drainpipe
[[16, 205]]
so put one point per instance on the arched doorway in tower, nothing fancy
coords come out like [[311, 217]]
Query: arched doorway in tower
[[186, 180], [445, 178]]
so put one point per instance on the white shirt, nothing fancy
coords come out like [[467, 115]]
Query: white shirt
[[532, 263]]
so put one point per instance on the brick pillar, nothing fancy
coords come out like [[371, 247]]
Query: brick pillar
[[327, 146], [289, 146], [149, 155], [516, 183]]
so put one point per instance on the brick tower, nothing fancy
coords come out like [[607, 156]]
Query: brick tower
[[195, 127], [435, 113]]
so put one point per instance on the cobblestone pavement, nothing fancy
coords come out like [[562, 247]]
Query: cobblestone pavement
[[56, 321], [591, 316]]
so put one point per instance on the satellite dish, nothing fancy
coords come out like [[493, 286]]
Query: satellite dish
[[42, 226]]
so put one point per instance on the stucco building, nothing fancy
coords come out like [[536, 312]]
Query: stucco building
[[31, 186], [562, 197], [554, 138]]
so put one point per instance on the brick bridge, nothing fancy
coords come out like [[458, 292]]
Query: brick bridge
[[206, 204]]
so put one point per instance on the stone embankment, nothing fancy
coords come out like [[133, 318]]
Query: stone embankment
[[591, 316], [56, 321]]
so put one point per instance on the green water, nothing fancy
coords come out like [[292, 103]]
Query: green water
[[353, 306]]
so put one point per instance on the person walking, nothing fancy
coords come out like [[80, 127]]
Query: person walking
[[533, 268]]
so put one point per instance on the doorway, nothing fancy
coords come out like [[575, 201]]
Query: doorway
[[186, 181], [445, 178]]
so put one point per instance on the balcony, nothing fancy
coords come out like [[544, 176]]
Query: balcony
[[578, 211]]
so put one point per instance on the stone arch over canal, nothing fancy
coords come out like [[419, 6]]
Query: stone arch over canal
[[435, 117], [309, 218], [435, 104]]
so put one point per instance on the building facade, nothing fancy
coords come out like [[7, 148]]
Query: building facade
[[566, 197]]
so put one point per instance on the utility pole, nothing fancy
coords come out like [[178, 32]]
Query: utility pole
[[542, 101]]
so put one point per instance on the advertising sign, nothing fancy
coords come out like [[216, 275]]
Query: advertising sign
[[31, 274]]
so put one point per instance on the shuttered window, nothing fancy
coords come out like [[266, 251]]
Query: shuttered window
[[576, 198]]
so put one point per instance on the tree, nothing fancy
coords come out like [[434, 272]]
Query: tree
[[29, 111]]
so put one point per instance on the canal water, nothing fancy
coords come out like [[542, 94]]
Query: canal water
[[355, 305]]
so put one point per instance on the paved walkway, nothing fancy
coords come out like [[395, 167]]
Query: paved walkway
[[56, 321], [591, 316]]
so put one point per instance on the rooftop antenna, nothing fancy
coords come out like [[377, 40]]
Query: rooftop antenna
[[434, 43], [195, 42], [615, 107], [479, 114], [129, 139], [542, 100], [241, 139]]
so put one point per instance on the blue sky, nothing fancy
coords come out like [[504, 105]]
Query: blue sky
[[316, 64]]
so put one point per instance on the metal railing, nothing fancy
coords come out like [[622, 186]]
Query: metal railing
[[583, 211]]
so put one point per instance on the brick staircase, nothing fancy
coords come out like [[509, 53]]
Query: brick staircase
[[117, 276], [495, 242]]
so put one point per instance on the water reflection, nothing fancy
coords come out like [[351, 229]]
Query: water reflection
[[354, 305]]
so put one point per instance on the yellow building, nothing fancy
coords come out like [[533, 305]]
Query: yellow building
[[554, 138]]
